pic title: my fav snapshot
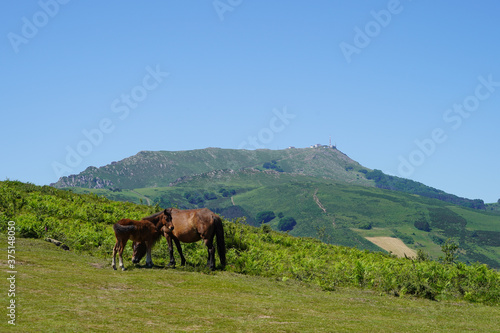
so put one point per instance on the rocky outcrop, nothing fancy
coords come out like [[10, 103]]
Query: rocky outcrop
[[83, 180]]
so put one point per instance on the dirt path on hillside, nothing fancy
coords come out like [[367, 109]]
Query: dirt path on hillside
[[394, 245], [318, 202], [320, 205], [144, 197]]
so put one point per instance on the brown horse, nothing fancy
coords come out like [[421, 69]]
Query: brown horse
[[146, 231], [190, 226]]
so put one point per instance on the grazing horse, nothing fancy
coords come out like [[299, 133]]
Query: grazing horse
[[190, 226], [145, 231]]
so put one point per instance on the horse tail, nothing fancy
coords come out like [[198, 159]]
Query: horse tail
[[121, 229], [221, 244]]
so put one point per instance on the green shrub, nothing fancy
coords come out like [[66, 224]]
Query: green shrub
[[365, 225], [449, 249], [286, 224], [265, 216], [404, 237], [83, 222], [210, 196], [422, 225]]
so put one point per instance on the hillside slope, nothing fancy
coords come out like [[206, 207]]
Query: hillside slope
[[84, 223], [178, 300], [317, 192], [336, 213]]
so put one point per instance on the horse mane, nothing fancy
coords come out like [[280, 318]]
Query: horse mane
[[154, 218], [159, 228], [150, 217]]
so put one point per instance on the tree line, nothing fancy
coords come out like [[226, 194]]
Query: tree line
[[387, 182]]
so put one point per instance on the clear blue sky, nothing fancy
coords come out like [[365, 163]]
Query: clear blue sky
[[408, 87]]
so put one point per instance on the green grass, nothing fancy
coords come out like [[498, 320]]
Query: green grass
[[488, 221], [84, 223], [123, 195], [61, 291]]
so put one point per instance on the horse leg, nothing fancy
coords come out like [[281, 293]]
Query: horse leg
[[179, 249], [120, 252], [211, 258], [170, 251], [211, 253], [135, 260], [149, 261], [115, 248]]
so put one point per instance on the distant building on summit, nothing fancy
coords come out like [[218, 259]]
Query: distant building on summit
[[319, 145]]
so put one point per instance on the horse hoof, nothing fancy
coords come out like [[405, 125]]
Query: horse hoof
[[124, 269], [114, 267]]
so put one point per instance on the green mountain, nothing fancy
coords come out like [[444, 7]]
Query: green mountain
[[312, 192], [157, 169]]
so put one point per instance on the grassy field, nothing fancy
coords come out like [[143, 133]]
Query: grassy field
[[63, 291], [271, 277]]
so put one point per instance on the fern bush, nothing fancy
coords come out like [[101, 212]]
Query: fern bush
[[84, 223]]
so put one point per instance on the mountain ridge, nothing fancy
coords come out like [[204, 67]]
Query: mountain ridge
[[164, 168], [160, 168]]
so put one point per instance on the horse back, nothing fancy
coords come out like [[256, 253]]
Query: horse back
[[190, 225], [137, 231]]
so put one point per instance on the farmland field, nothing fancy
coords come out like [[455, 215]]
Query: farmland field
[[394, 245]]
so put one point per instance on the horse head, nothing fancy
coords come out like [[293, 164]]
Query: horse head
[[166, 221], [140, 250]]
